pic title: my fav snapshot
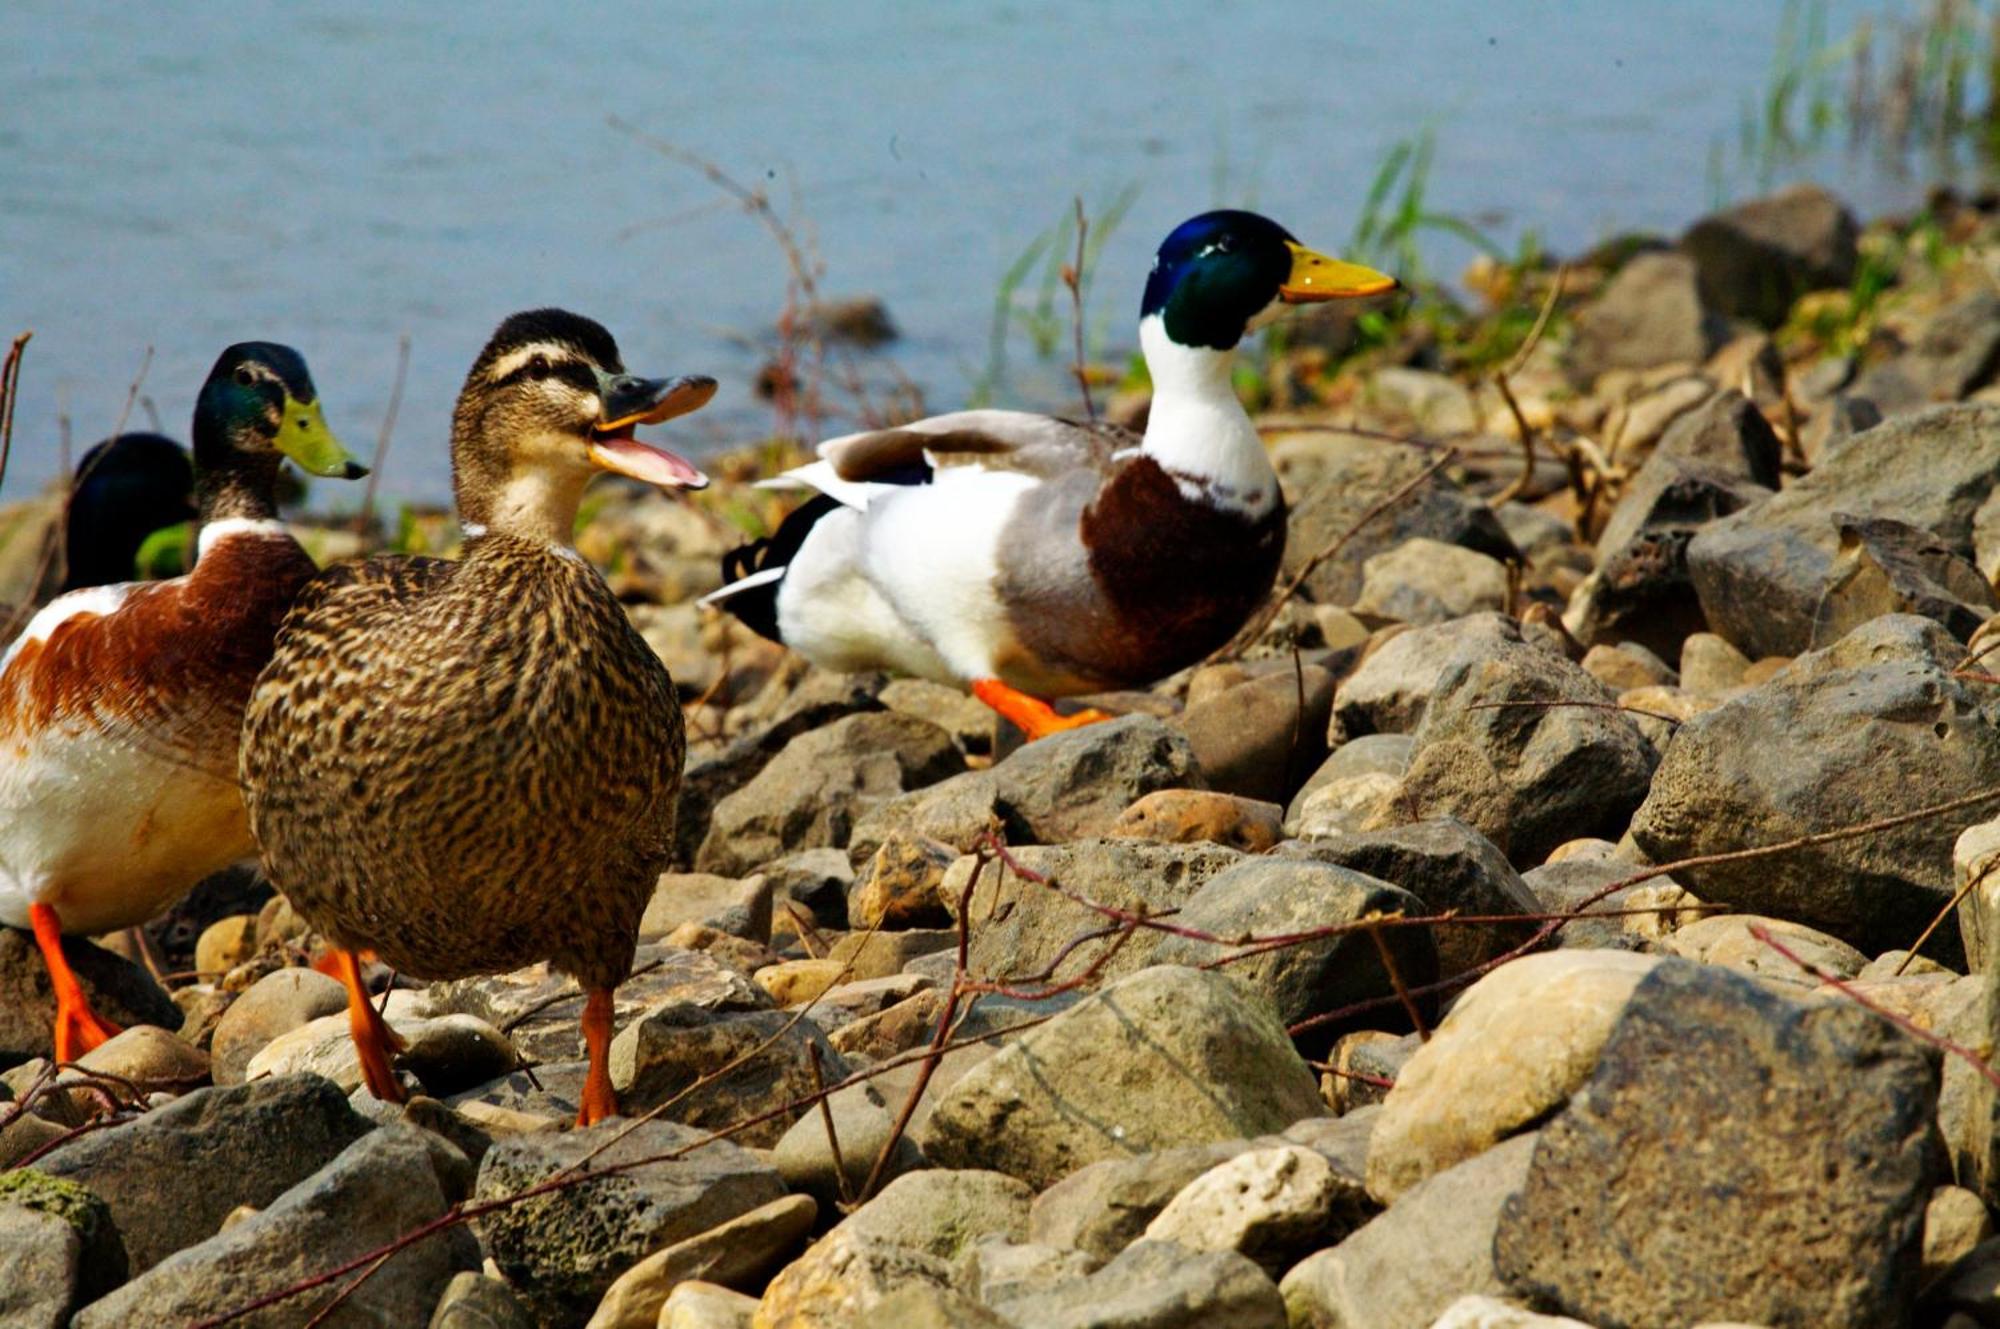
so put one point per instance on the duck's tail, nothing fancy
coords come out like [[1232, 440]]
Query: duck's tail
[[752, 572]]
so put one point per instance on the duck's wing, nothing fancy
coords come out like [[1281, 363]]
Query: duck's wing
[[346, 594], [854, 468]]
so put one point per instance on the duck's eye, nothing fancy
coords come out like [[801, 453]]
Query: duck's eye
[[244, 376], [539, 367]]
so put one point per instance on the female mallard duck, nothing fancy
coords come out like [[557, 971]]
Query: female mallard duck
[[120, 705], [470, 766], [1036, 557]]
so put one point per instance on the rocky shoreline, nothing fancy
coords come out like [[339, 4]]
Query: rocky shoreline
[[1572, 907]]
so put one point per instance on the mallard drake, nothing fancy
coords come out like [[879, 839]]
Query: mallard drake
[[126, 488], [469, 766], [1031, 557], [120, 705]]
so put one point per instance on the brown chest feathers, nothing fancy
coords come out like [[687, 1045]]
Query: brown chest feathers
[[1170, 578], [467, 767]]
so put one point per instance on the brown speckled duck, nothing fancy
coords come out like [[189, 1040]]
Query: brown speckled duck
[[1026, 556], [469, 766]]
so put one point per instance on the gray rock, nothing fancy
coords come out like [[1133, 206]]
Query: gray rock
[[862, 1124], [811, 794], [844, 1276], [1448, 866], [742, 908], [1757, 257], [1331, 480], [1805, 1203], [1885, 566], [1873, 725], [1528, 777], [1957, 352], [1102, 1208], [1064, 787], [1650, 314], [379, 1188], [816, 880], [1388, 691], [1279, 896], [1975, 865], [1762, 573], [119, 990], [474, 1301], [538, 1008], [59, 1248], [1272, 1205], [1256, 739], [1370, 754], [667, 1053], [1403, 1268], [1428, 581], [1020, 927], [943, 1212], [563, 1250], [820, 699], [1726, 435], [275, 1004], [172, 1175], [1167, 1056], [994, 1269], [1157, 1285], [923, 1306]]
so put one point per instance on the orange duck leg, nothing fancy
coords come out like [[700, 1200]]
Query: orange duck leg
[[78, 1028], [1031, 715], [375, 1043], [599, 1101]]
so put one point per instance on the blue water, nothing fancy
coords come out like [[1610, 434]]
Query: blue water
[[184, 175]]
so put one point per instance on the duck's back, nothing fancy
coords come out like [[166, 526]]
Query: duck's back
[[466, 766]]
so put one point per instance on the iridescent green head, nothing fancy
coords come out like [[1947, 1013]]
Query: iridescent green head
[[259, 404]]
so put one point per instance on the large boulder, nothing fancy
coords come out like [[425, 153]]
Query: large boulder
[[1064, 787], [1020, 927], [562, 1250], [1167, 1056], [387, 1183], [1528, 749], [1873, 725], [1756, 258], [1804, 1203], [1331, 480], [1651, 314], [1448, 866], [1270, 897], [171, 1176], [1763, 573], [811, 794], [1513, 1049]]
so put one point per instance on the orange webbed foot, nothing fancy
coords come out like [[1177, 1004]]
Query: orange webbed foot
[[1031, 715], [599, 1100], [375, 1043], [78, 1028]]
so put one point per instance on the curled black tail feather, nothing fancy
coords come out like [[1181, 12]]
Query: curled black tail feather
[[758, 606]]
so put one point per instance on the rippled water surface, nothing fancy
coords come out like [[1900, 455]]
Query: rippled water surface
[[185, 175]]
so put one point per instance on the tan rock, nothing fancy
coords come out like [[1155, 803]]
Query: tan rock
[[1621, 669], [1726, 940], [224, 944], [844, 1274], [699, 1305], [1272, 1206], [149, 1057], [738, 1254], [746, 957], [275, 1004], [879, 954], [1516, 1045], [792, 981], [1183, 816], [1955, 1220], [898, 888], [1711, 666]]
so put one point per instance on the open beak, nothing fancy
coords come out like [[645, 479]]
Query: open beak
[[1316, 277], [630, 402], [304, 437]]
